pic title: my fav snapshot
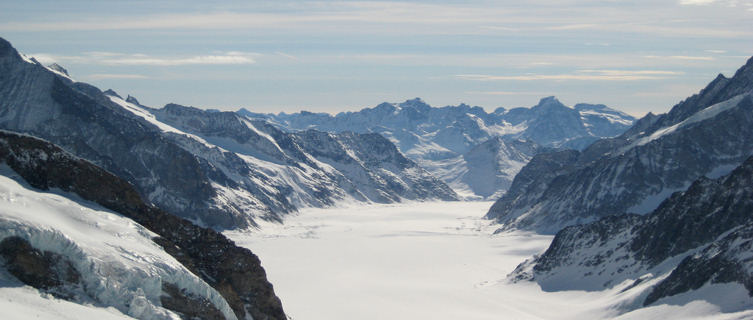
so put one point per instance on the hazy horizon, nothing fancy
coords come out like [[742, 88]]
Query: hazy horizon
[[288, 56]]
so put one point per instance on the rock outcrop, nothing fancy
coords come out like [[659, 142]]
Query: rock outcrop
[[234, 272]]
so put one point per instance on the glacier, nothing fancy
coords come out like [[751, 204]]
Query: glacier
[[121, 266]]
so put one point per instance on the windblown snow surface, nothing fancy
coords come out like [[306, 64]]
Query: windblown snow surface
[[426, 261]]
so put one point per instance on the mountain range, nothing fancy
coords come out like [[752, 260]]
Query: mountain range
[[661, 213], [447, 141], [708, 134], [658, 208], [215, 168]]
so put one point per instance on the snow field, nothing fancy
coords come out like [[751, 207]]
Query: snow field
[[427, 261]]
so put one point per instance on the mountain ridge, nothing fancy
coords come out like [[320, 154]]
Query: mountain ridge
[[440, 138], [197, 174], [634, 172], [696, 238]]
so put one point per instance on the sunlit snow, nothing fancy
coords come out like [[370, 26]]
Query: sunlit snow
[[120, 265], [699, 116], [422, 261]]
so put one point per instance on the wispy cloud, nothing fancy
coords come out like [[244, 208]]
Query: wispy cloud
[[115, 59], [700, 58], [576, 26], [306, 14], [631, 72], [505, 93], [499, 28], [286, 55], [100, 76], [696, 2], [584, 75], [403, 17], [727, 3], [151, 61]]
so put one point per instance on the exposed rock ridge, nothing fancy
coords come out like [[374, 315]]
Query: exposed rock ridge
[[635, 173], [701, 236]]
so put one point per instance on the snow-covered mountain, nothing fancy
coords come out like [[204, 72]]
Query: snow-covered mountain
[[489, 168], [443, 139], [309, 168], [696, 245], [216, 168], [77, 232], [707, 134]]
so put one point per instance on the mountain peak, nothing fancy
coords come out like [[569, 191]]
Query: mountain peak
[[415, 103], [718, 90], [550, 101], [110, 92], [58, 68], [132, 99], [748, 64], [385, 106], [6, 48], [745, 73]]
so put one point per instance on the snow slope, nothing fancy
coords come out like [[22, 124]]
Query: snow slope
[[121, 266], [427, 261], [20, 303]]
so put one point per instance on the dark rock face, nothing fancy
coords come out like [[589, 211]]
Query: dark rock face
[[634, 172], [43, 270], [703, 235], [187, 305], [235, 272], [575, 238], [532, 181], [723, 261]]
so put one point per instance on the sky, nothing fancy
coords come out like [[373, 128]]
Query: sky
[[332, 56]]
